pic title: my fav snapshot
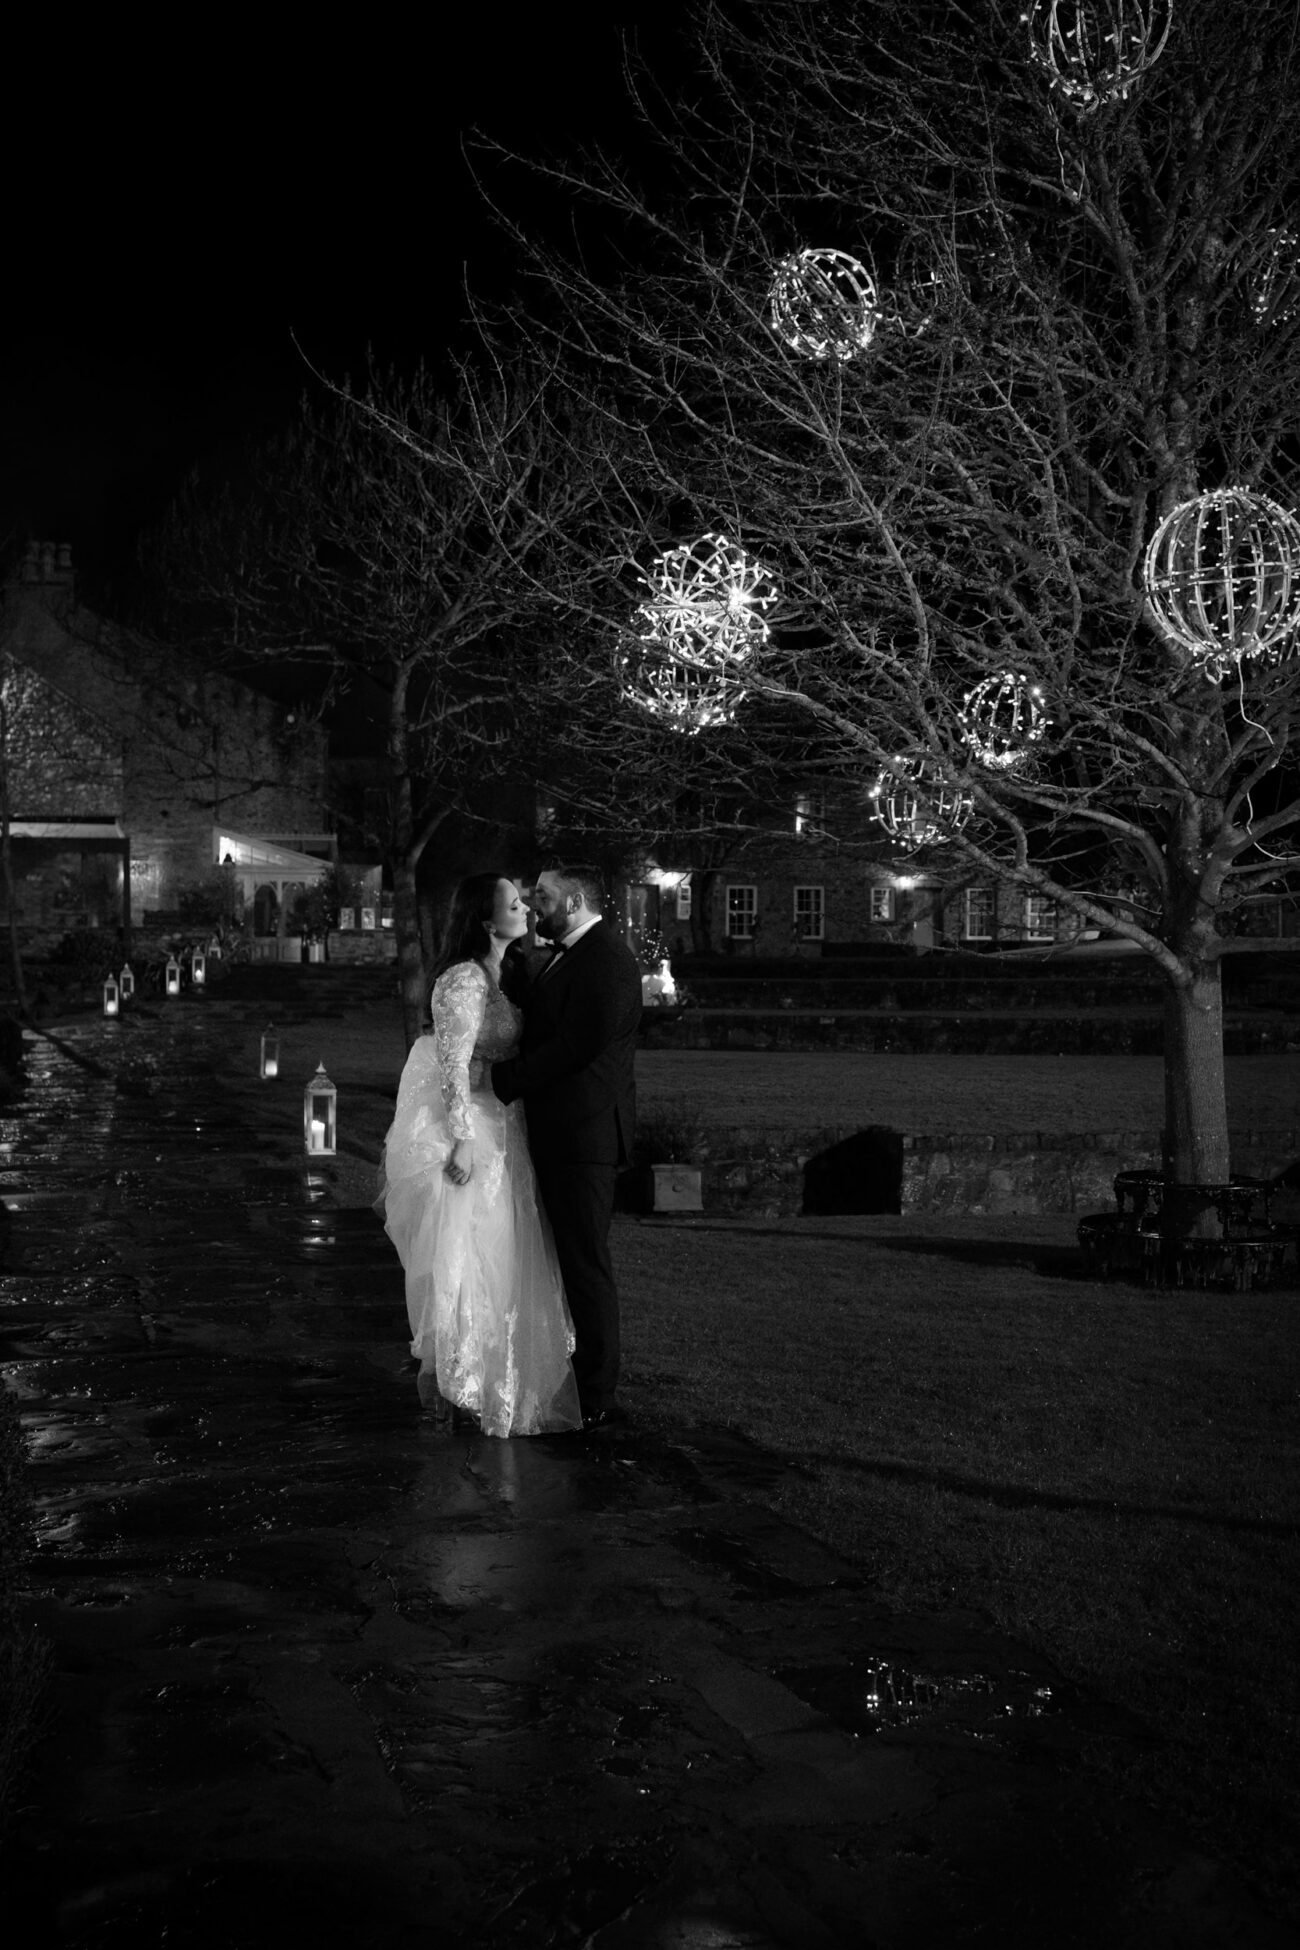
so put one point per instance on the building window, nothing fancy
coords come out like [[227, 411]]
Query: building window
[[1040, 918], [881, 904], [742, 912], [809, 817], [684, 899], [809, 913], [977, 914]]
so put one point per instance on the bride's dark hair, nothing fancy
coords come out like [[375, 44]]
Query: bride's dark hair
[[465, 937]]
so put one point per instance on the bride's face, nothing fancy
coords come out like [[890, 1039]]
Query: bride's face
[[509, 912]]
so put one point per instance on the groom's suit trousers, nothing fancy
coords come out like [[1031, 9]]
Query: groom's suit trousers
[[579, 1202]]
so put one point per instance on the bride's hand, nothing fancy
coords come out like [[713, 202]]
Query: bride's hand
[[459, 1168]]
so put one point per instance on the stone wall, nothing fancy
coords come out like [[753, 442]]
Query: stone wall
[[760, 1172]]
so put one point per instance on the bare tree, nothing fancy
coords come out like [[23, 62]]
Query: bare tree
[[1064, 312], [401, 540]]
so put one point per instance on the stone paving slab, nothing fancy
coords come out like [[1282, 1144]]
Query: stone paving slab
[[329, 1673]]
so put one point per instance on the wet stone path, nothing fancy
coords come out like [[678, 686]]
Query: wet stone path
[[326, 1674]]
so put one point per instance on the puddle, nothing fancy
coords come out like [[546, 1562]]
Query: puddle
[[876, 1695]]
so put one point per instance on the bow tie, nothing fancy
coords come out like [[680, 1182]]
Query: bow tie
[[559, 947]]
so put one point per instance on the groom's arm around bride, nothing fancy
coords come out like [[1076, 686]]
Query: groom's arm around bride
[[574, 1073]]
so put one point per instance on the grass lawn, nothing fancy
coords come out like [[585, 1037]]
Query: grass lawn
[[1109, 1472]]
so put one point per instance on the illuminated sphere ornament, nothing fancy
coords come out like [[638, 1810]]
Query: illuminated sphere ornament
[[686, 696], [824, 304], [917, 805], [707, 602], [1001, 718], [1275, 284], [1222, 574], [1094, 51]]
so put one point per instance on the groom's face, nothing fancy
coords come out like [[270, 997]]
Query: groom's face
[[551, 907]]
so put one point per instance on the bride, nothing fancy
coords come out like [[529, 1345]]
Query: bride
[[489, 1323]]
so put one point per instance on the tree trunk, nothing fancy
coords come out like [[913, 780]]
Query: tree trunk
[[1196, 1109], [410, 953]]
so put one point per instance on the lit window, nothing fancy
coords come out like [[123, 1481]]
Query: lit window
[[978, 915], [809, 913], [742, 912], [684, 900], [1040, 918], [809, 817], [881, 906]]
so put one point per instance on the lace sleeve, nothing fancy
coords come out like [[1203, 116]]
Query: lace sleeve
[[459, 1000]]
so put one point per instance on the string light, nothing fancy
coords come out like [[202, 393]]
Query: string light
[[1094, 51], [1275, 288], [824, 304], [1222, 574], [917, 805], [1001, 718], [707, 602], [688, 697]]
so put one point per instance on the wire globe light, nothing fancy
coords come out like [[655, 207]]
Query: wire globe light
[[707, 602], [1222, 574], [1275, 285], [1001, 718], [917, 805], [687, 697], [1094, 51], [824, 304]]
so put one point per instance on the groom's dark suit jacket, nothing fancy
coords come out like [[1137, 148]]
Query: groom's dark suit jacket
[[574, 1067]]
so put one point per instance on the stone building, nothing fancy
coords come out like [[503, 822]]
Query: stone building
[[132, 774], [815, 882]]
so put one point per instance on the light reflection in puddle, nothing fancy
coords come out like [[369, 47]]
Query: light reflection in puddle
[[874, 1694]]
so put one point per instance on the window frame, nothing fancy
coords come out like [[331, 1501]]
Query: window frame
[[747, 910], [982, 893], [816, 911], [880, 904]]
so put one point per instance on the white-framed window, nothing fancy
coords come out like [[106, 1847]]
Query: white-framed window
[[742, 912], [880, 904], [684, 899], [978, 914], [1040, 918], [810, 913], [809, 816]]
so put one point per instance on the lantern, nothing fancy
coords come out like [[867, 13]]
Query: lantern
[[917, 805], [269, 1054], [172, 976], [319, 1106], [112, 995], [824, 304], [126, 982], [687, 696], [1001, 718], [198, 968], [707, 602], [1222, 574], [1094, 51]]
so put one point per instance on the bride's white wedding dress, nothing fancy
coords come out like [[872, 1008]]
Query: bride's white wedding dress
[[489, 1324]]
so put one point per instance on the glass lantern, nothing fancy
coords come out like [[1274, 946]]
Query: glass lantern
[[173, 976], [198, 968], [269, 1054], [319, 1107], [126, 982], [112, 996]]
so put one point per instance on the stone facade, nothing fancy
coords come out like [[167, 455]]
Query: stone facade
[[103, 726]]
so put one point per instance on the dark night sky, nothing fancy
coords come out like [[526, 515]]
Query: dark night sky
[[175, 211]]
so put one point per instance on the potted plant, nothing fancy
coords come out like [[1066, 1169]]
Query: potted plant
[[673, 1142]]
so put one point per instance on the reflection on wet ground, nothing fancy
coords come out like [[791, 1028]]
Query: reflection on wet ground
[[328, 1675]]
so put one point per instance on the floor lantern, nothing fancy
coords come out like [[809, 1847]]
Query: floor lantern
[[126, 982], [269, 1054], [172, 976], [112, 996], [319, 1108], [198, 968]]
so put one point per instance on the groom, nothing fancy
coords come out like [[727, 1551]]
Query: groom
[[574, 1073]]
